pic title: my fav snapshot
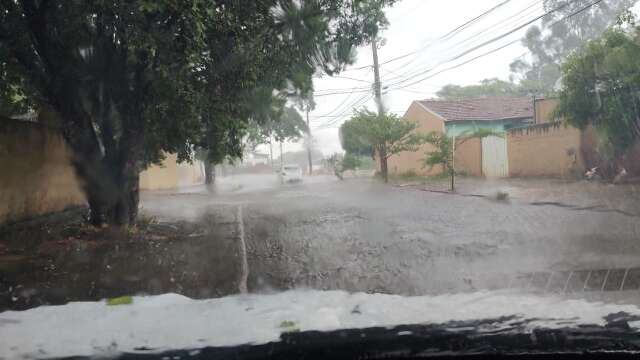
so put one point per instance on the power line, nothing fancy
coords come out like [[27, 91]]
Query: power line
[[448, 35], [500, 24], [337, 107], [363, 100], [494, 39], [366, 98], [349, 78], [503, 46], [350, 91], [514, 19], [459, 28]]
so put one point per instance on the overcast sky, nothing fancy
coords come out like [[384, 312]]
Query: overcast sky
[[416, 29]]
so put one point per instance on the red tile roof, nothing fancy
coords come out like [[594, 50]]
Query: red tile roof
[[481, 109]]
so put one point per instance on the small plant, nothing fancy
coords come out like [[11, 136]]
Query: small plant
[[121, 300], [289, 326], [445, 147]]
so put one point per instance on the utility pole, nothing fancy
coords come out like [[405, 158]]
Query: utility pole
[[377, 86], [309, 139], [377, 89], [281, 159]]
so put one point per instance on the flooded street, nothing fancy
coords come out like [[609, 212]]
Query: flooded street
[[252, 234], [361, 235]]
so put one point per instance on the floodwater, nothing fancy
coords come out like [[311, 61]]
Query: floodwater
[[251, 233], [361, 235]]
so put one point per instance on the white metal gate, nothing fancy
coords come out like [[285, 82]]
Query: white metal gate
[[494, 157]]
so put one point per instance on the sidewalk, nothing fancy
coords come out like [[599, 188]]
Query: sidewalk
[[580, 195]]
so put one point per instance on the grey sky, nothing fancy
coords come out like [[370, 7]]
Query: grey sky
[[418, 26]]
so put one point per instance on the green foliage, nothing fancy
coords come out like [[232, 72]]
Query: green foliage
[[386, 133], [476, 134], [289, 126], [122, 300], [442, 154], [350, 162], [444, 151], [555, 40], [365, 163], [602, 88], [353, 141], [289, 326], [486, 88], [133, 80], [286, 124], [13, 98]]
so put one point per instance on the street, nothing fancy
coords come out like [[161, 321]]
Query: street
[[362, 235]]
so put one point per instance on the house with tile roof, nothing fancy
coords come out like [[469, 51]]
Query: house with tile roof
[[495, 113], [457, 117]]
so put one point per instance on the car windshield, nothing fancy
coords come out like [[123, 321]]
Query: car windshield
[[304, 178]]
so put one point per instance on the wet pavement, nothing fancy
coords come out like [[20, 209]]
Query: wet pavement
[[361, 235], [252, 234]]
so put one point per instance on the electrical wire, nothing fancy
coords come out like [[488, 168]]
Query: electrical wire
[[499, 48], [492, 40]]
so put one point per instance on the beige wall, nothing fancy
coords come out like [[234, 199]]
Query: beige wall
[[413, 160], [36, 176], [157, 177], [468, 154], [190, 174], [545, 150], [544, 110], [468, 157], [171, 174]]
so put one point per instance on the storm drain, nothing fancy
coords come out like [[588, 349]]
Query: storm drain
[[621, 279]]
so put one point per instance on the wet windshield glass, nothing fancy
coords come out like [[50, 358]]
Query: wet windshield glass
[[177, 175]]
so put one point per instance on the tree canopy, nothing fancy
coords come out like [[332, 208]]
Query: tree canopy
[[602, 88], [486, 88], [385, 134], [130, 81], [353, 141], [550, 43]]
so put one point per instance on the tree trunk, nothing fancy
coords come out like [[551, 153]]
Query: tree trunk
[[309, 159], [384, 169], [453, 181], [114, 196], [209, 173]]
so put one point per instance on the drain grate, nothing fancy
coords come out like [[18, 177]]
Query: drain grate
[[621, 279]]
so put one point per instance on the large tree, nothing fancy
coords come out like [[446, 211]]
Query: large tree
[[550, 43], [486, 88], [129, 81], [601, 87], [385, 134]]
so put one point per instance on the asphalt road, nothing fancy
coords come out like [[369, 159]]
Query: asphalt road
[[361, 235]]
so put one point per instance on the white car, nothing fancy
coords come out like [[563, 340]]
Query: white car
[[290, 173]]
